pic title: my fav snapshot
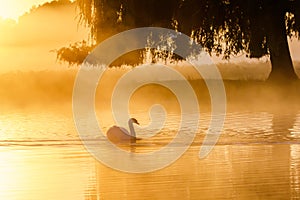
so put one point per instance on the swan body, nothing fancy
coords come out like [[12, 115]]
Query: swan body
[[120, 135]]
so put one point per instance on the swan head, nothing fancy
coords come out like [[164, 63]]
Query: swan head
[[133, 120]]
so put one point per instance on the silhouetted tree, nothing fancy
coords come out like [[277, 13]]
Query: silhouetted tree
[[226, 27], [74, 53], [256, 27]]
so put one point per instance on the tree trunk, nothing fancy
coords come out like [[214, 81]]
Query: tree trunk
[[282, 66]]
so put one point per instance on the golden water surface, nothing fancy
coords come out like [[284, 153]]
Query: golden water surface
[[257, 157]]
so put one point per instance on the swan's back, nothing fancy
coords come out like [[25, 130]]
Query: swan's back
[[119, 135]]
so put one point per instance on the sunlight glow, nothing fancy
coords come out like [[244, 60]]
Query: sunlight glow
[[14, 8]]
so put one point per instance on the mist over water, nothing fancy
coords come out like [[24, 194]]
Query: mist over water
[[243, 83], [43, 157]]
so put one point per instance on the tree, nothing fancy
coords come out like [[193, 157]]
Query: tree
[[256, 27], [226, 27]]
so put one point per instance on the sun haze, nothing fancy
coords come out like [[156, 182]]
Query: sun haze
[[12, 9], [30, 43]]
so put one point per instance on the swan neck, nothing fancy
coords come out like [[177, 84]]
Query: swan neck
[[131, 128]]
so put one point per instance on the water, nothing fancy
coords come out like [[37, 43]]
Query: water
[[256, 157]]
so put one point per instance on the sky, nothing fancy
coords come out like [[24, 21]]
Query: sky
[[30, 43], [14, 8]]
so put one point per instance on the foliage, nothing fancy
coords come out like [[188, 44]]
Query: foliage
[[225, 27], [75, 53], [255, 28]]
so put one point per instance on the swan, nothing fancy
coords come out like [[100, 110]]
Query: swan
[[120, 135]]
